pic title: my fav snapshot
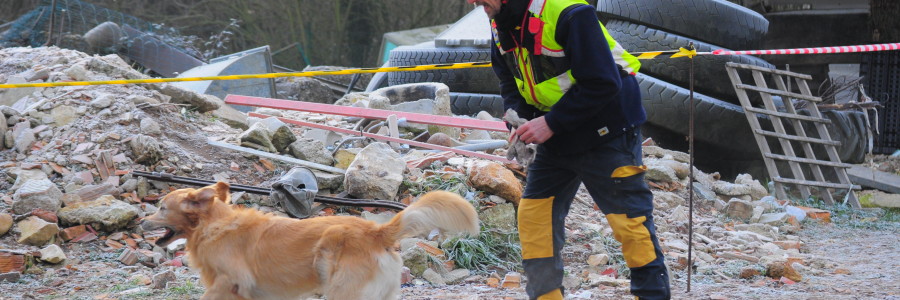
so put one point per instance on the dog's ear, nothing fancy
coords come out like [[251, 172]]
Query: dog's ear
[[200, 199], [222, 191]]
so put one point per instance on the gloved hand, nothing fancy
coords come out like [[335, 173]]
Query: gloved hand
[[518, 150]]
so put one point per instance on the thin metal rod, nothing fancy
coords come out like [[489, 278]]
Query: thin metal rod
[[690, 260], [50, 30]]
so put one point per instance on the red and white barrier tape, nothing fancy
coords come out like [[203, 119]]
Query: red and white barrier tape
[[820, 50]]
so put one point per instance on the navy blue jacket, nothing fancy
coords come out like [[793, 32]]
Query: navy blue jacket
[[603, 97]]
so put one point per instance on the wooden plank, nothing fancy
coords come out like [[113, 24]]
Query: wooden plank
[[809, 161], [778, 92], [796, 138], [366, 112], [787, 115], [277, 157], [872, 178], [818, 183], [767, 70]]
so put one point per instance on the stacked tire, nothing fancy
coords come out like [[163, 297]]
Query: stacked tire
[[472, 90], [659, 25], [707, 25]]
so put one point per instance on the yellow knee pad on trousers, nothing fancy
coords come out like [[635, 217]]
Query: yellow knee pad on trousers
[[552, 295], [536, 227], [637, 246]]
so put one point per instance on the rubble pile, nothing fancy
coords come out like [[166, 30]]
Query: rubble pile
[[70, 204]]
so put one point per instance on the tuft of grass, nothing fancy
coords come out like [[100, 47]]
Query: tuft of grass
[[123, 286], [441, 180], [187, 289], [490, 250], [844, 215], [616, 258]]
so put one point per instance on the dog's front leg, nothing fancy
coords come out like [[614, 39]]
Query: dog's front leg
[[223, 288]]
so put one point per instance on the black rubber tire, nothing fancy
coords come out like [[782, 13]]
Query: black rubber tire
[[710, 76], [473, 80], [715, 121], [379, 80], [471, 104], [717, 22], [847, 127]]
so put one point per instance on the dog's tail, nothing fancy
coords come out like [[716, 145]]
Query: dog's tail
[[445, 211]]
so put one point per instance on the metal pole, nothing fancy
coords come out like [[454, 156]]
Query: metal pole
[[690, 262], [50, 30]]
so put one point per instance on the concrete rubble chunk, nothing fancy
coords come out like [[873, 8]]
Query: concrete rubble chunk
[[433, 277], [10, 277], [774, 219], [53, 254], [24, 176], [739, 209], [757, 190], [161, 279], [456, 276], [344, 157], [231, 117], [203, 103], [92, 192], [6, 222], [658, 171], [150, 127], [24, 139], [376, 173], [757, 214], [501, 217], [36, 232], [730, 189], [34, 194], [140, 99], [324, 136], [105, 213], [146, 149], [102, 101], [312, 151], [279, 133], [258, 137], [598, 259], [8, 97], [496, 179], [3, 128], [63, 115]]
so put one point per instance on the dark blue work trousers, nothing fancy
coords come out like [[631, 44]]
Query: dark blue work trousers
[[627, 202]]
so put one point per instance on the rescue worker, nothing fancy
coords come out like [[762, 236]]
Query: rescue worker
[[560, 69]]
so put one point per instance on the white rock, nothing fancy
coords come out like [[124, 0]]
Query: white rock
[[53, 254]]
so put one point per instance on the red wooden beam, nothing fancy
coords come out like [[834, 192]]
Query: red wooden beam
[[389, 139], [368, 113]]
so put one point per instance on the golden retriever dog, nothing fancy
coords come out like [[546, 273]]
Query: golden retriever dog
[[245, 254]]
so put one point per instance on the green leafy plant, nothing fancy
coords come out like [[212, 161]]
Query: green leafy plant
[[490, 250]]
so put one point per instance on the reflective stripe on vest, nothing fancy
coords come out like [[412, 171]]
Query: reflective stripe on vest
[[544, 83]]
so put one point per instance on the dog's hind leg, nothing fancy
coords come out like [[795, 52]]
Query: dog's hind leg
[[223, 288]]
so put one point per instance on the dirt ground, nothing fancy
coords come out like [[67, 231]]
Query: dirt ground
[[860, 260]]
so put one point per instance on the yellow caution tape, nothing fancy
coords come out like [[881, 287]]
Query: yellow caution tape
[[483, 64], [681, 52]]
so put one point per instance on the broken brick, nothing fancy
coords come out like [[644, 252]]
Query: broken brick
[[128, 257], [72, 232], [11, 262], [512, 280]]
